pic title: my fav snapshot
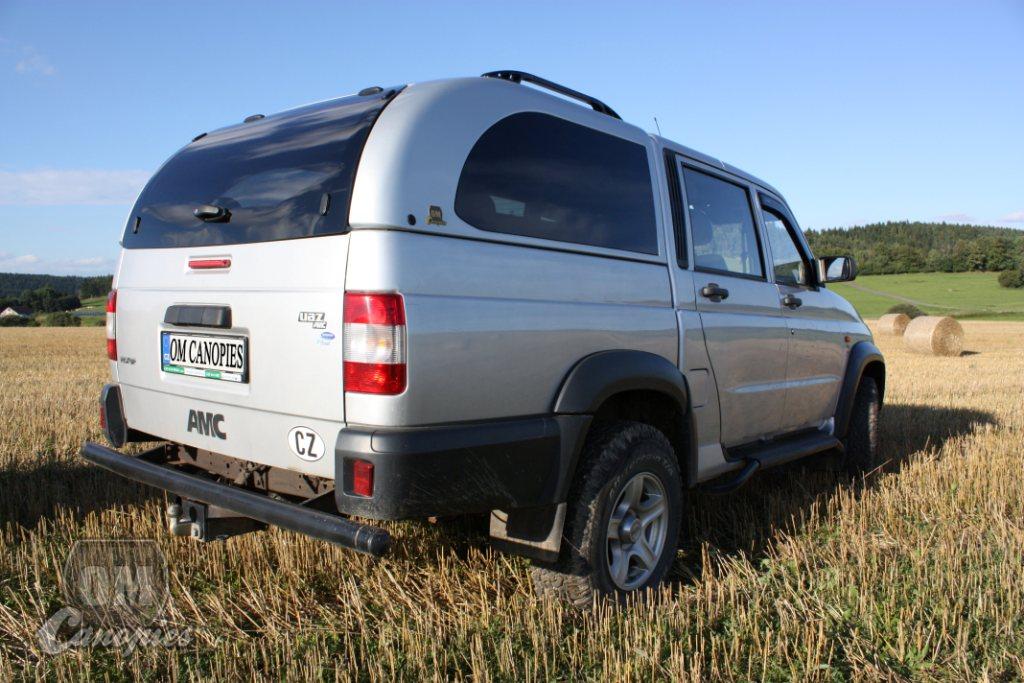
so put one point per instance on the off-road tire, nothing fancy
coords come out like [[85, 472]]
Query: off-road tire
[[861, 442], [614, 454]]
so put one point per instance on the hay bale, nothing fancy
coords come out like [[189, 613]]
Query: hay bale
[[893, 323], [934, 335]]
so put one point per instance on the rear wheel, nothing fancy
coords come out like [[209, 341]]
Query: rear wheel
[[861, 442], [622, 524]]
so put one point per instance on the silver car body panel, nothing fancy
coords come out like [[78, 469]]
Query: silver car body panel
[[493, 329]]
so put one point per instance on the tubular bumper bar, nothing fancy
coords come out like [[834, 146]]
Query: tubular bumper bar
[[332, 528]]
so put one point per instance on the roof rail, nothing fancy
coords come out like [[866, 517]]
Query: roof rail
[[520, 76]]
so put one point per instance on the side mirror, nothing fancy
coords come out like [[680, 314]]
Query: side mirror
[[836, 269]]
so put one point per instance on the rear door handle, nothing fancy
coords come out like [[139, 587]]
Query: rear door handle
[[212, 213], [714, 292], [790, 301], [186, 315]]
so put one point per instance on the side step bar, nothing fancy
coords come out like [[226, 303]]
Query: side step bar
[[332, 528], [773, 455]]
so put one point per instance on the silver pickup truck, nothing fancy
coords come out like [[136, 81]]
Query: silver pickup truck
[[473, 296]]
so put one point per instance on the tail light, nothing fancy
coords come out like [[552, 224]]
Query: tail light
[[374, 343], [362, 478], [111, 329]]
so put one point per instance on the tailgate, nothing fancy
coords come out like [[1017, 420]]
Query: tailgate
[[285, 300]]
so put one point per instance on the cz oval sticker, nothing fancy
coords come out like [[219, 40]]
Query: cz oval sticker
[[306, 444]]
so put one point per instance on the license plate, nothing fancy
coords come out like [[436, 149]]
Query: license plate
[[205, 355]]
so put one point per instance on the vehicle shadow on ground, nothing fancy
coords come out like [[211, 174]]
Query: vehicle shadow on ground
[[42, 491], [746, 523]]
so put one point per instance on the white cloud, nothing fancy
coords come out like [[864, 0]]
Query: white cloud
[[70, 186], [27, 60], [955, 218], [30, 263], [93, 261], [33, 63], [1015, 217], [9, 260]]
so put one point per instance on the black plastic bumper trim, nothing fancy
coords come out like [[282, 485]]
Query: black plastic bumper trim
[[332, 528], [459, 468]]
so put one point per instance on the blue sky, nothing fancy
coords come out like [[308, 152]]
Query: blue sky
[[857, 111]]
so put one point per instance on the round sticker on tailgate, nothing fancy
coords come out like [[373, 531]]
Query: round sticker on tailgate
[[306, 443]]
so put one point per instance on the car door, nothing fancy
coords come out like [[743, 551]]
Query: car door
[[817, 351], [744, 329]]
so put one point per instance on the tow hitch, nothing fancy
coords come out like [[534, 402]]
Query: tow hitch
[[207, 522]]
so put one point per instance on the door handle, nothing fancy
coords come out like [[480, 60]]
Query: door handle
[[212, 214], [790, 301], [714, 292]]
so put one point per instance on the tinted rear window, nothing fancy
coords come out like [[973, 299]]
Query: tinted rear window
[[540, 176], [271, 174]]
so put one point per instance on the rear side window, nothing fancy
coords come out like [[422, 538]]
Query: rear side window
[[285, 176], [540, 176]]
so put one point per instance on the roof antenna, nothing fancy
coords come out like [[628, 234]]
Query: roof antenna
[[658, 126]]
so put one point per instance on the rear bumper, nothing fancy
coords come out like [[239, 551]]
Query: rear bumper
[[419, 472], [460, 468], [304, 520]]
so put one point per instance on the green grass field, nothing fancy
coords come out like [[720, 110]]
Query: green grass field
[[962, 295], [95, 303], [93, 311]]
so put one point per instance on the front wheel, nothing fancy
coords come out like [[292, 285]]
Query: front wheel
[[622, 524], [861, 442]]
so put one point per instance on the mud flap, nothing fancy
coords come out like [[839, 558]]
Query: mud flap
[[531, 532]]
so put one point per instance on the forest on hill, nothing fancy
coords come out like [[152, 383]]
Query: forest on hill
[[913, 247], [16, 285]]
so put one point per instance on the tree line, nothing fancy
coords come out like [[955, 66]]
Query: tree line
[[50, 293], [15, 285], [43, 300], [914, 247]]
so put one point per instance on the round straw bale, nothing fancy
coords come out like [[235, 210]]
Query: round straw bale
[[893, 323], [935, 335]]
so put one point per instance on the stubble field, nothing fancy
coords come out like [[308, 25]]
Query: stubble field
[[915, 571]]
